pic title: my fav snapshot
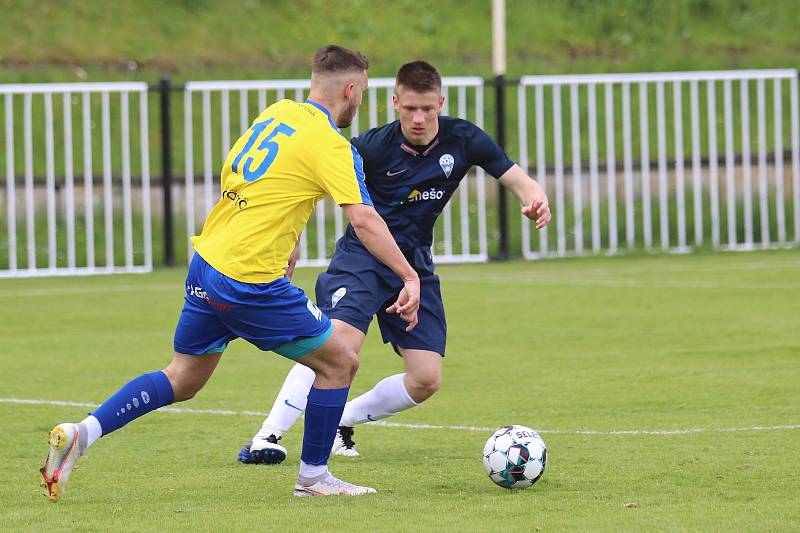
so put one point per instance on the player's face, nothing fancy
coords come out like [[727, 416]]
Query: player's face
[[354, 97], [419, 114]]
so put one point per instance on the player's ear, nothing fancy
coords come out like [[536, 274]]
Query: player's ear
[[348, 90], [441, 103], [396, 102]]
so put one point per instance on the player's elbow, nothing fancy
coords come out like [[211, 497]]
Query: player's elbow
[[362, 217]]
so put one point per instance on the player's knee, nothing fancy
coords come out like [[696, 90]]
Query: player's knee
[[424, 386], [349, 363], [183, 386]]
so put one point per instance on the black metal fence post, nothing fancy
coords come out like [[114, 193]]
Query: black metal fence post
[[166, 170], [502, 206]]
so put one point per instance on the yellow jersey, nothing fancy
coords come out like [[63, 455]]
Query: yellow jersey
[[292, 156]]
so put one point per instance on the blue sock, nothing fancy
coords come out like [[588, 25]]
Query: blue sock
[[138, 397], [323, 413]]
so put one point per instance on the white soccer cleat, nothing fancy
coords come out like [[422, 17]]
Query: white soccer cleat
[[330, 486], [65, 448], [343, 444]]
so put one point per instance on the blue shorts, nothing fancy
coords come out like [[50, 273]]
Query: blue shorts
[[357, 287], [273, 316]]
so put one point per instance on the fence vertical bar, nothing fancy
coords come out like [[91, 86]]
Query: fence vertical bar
[[127, 202], [780, 211], [730, 184], [594, 192], [88, 180], [225, 124], [108, 199], [663, 204], [11, 205], [627, 156], [69, 180], [747, 183], [680, 183], [144, 132], [208, 173], [795, 114], [697, 183], [644, 132], [244, 112], [713, 171], [611, 166], [577, 192], [50, 174], [30, 224], [558, 150], [763, 194]]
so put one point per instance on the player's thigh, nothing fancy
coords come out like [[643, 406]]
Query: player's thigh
[[430, 334], [334, 362]]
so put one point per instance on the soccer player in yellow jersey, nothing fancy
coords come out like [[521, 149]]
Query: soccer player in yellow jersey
[[291, 156]]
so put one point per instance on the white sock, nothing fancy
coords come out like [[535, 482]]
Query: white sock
[[385, 399], [295, 392], [93, 429], [312, 471]]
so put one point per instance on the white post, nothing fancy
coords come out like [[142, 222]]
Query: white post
[[499, 37]]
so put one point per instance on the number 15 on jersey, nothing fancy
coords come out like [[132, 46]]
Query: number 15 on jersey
[[268, 149]]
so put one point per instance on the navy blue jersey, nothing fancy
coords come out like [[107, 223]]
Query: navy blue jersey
[[410, 185]]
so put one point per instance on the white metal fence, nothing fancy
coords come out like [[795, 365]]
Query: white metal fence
[[634, 203], [458, 237], [70, 229], [670, 161]]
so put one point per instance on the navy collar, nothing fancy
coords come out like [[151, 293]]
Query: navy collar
[[324, 110]]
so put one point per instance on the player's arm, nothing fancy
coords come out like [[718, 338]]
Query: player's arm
[[375, 236], [535, 205], [293, 260]]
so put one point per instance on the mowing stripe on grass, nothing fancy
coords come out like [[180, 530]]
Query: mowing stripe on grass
[[227, 412]]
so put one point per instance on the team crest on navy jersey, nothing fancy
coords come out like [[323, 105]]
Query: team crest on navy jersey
[[447, 162]]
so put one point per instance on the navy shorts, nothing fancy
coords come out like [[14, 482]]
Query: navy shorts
[[274, 316], [357, 287]]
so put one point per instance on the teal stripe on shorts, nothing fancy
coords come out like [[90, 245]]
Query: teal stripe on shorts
[[300, 347]]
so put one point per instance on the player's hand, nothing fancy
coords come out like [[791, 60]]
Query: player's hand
[[407, 303], [538, 209]]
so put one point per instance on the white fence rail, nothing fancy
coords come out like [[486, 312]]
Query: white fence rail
[[73, 231], [684, 201], [458, 238]]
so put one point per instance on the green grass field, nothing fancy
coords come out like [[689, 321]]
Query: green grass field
[[666, 388]]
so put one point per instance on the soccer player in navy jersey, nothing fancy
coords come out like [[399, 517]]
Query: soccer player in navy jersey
[[412, 167], [292, 156]]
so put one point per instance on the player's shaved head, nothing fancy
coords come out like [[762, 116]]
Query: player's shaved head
[[338, 80], [333, 59]]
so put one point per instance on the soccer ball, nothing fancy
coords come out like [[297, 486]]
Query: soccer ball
[[515, 457]]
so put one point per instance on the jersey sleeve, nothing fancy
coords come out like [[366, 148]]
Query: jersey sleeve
[[487, 154], [341, 174]]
